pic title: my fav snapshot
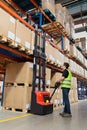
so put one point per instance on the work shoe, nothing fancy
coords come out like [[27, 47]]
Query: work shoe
[[62, 113], [66, 115]]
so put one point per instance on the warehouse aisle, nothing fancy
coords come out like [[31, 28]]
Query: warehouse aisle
[[48, 122]]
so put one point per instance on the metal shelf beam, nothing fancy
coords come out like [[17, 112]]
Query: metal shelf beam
[[14, 51]]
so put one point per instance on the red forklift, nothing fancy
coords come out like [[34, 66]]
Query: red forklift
[[40, 98]]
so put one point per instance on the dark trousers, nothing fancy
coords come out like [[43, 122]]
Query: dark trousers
[[65, 92]]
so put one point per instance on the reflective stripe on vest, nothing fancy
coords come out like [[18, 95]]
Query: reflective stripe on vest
[[66, 83]]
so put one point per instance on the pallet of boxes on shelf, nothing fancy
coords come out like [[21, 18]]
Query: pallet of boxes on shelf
[[76, 54], [76, 68], [14, 33], [7, 27], [56, 58], [23, 37], [18, 85], [65, 19]]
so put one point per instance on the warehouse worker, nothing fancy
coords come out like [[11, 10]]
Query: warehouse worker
[[65, 80]]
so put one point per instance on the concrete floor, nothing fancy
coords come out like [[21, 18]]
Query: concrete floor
[[23, 121]]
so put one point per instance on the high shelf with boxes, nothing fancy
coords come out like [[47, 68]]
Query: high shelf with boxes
[[54, 61]]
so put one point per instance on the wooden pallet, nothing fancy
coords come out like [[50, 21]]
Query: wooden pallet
[[3, 39], [53, 31], [16, 84], [11, 43], [8, 41], [57, 106], [21, 47], [27, 51], [60, 26], [14, 109]]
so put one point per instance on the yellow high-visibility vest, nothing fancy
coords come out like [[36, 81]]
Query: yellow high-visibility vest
[[66, 83]]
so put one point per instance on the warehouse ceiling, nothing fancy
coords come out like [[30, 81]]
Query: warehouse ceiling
[[78, 10]]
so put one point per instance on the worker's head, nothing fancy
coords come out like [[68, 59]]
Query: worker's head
[[65, 65]]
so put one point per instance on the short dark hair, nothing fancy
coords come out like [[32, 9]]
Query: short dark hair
[[66, 65]]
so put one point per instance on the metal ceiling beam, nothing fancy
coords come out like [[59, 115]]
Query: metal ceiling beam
[[70, 2], [80, 21], [65, 1], [81, 29]]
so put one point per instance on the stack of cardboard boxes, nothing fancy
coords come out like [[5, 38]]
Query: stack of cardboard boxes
[[17, 91], [18, 85], [13, 30]]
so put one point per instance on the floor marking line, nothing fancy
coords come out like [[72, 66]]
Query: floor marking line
[[14, 118]]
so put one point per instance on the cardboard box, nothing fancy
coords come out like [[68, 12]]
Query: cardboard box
[[50, 53], [59, 13], [22, 98], [7, 25], [11, 72], [49, 4], [23, 35], [8, 100], [19, 73], [24, 73], [17, 97], [56, 58]]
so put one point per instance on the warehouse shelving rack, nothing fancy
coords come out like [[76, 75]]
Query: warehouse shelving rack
[[19, 56], [12, 50]]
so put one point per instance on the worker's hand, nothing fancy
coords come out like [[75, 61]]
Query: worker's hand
[[57, 84]]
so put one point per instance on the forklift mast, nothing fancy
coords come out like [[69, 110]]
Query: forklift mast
[[39, 65], [40, 98]]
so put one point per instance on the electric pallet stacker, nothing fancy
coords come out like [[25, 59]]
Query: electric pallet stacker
[[40, 98]]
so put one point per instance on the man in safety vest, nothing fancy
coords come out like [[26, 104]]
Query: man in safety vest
[[66, 85]]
